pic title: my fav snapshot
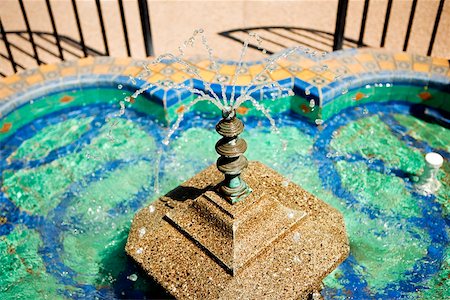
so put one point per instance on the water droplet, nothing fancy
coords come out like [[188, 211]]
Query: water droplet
[[319, 121], [120, 86], [151, 209], [132, 277], [285, 183], [139, 251], [296, 237], [142, 232]]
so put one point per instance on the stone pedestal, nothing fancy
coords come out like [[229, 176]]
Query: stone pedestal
[[278, 243]]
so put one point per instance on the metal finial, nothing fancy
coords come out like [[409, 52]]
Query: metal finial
[[231, 161]]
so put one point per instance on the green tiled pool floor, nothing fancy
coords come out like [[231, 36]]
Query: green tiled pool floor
[[71, 184]]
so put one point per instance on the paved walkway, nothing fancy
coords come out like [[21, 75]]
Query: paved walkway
[[174, 21]]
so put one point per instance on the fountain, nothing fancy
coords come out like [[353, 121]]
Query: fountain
[[236, 230], [78, 167]]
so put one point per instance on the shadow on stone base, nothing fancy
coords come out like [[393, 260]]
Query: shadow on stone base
[[280, 242]]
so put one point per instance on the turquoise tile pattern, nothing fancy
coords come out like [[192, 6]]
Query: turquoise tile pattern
[[328, 80]]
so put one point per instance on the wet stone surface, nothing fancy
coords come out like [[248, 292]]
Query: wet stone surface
[[207, 248]]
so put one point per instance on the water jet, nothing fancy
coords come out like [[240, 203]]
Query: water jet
[[235, 230]]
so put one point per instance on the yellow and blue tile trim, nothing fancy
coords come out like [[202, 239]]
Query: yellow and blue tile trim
[[323, 85]]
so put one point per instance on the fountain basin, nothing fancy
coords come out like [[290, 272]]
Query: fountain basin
[[68, 194]]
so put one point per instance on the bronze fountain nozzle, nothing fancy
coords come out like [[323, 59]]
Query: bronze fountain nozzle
[[231, 161]]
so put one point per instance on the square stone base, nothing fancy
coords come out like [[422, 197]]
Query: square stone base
[[278, 243]]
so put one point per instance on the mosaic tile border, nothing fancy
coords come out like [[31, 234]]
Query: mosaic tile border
[[328, 81]]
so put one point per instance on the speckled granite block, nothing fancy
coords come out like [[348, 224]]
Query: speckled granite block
[[279, 243], [234, 234]]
